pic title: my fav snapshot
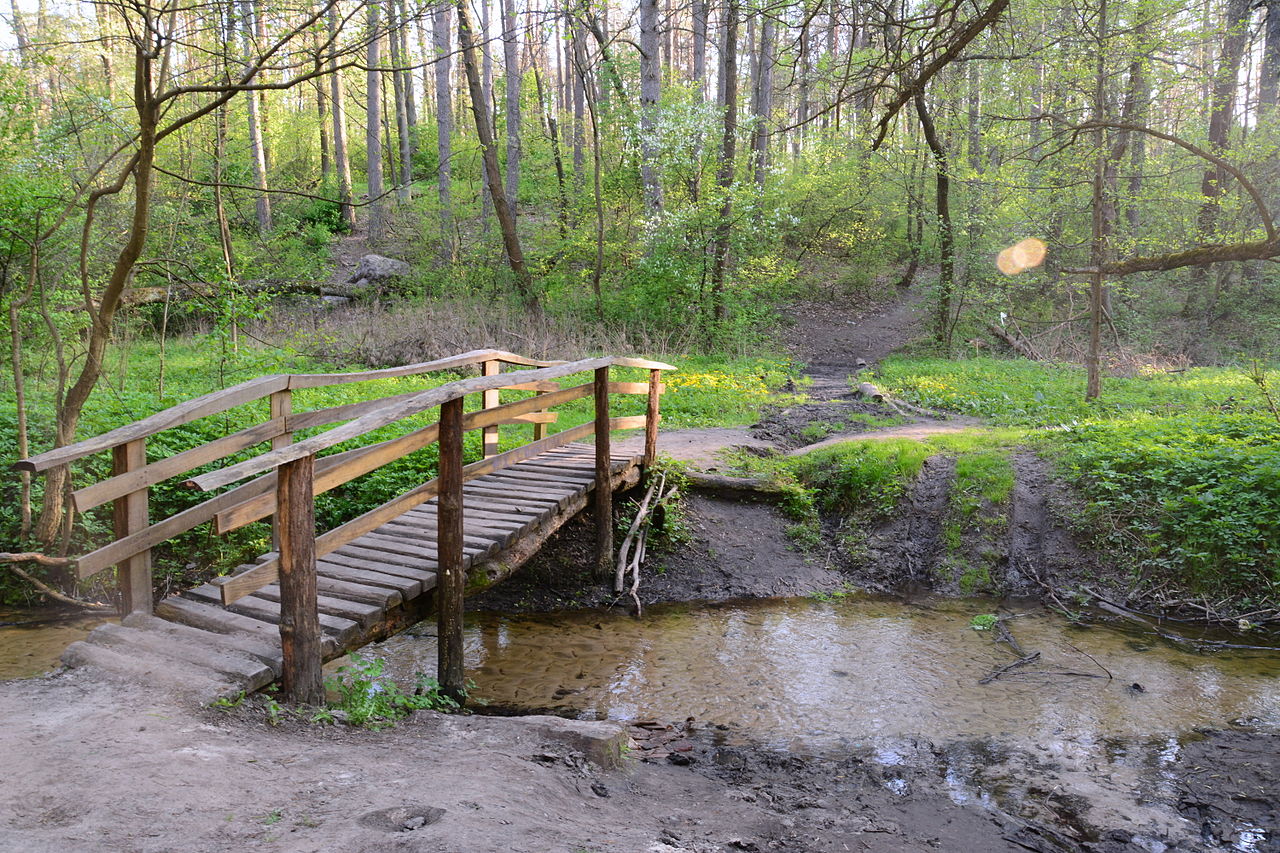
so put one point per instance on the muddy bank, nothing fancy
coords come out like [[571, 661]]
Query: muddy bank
[[724, 550], [1209, 790]]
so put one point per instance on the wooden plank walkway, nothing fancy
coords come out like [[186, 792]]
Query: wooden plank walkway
[[369, 589]]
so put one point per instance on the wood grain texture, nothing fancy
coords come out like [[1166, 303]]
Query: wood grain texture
[[129, 516], [302, 680], [449, 548], [603, 503]]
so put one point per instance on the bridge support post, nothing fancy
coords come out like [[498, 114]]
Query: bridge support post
[[604, 479], [450, 577], [651, 419], [129, 516], [299, 617]]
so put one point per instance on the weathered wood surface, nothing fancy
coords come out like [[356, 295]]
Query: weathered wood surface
[[366, 590], [257, 389]]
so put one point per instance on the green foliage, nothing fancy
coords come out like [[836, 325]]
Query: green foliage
[[369, 699], [1027, 393], [865, 478], [1191, 497], [983, 622]]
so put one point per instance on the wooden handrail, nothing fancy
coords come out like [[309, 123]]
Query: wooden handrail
[[249, 392], [397, 411], [243, 584]]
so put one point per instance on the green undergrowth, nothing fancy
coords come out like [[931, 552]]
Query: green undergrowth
[[1179, 473], [977, 517], [1191, 498], [1027, 393]]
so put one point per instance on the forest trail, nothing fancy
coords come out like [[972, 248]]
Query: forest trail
[[830, 341]]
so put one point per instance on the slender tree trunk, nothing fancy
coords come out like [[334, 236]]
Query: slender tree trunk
[[762, 102], [257, 146], [511, 59], [728, 156], [1221, 120], [322, 114], [946, 248], [650, 92], [480, 111], [52, 514], [341, 156], [700, 47], [373, 127], [1269, 73], [440, 32], [486, 199], [547, 103], [395, 28]]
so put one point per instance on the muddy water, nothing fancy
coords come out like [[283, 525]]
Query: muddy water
[[30, 644], [794, 672]]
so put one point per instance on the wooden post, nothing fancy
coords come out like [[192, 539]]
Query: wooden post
[[604, 479], [450, 579], [539, 430], [129, 516], [281, 407], [299, 617], [490, 400], [651, 419]]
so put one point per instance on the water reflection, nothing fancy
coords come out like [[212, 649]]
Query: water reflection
[[825, 672]]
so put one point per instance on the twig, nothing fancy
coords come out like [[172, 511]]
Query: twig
[[996, 673], [49, 591]]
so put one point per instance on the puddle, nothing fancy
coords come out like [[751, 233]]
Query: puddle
[[30, 646], [791, 672]]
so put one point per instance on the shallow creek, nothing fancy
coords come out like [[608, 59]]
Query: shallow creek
[[797, 671]]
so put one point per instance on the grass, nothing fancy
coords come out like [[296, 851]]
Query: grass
[[1025, 393]]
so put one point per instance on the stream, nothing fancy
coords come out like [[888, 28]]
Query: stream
[[799, 672]]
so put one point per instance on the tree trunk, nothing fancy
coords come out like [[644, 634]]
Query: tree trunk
[[762, 102], [728, 154], [1221, 120], [1269, 74], [322, 115], [549, 116], [52, 514], [511, 59], [650, 92], [440, 32], [507, 223], [946, 249], [372, 128], [341, 156], [700, 47], [395, 28], [257, 146]]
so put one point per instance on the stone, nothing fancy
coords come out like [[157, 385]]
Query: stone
[[374, 274], [604, 743]]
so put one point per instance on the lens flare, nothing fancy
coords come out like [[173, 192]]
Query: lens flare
[[1021, 256]]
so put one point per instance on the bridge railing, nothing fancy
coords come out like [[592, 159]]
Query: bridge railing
[[265, 493]]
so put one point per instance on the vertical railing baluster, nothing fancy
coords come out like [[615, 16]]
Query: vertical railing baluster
[[299, 616], [281, 407], [490, 400], [604, 478], [129, 515], [539, 429], [450, 580]]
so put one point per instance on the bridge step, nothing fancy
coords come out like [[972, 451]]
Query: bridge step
[[219, 620]]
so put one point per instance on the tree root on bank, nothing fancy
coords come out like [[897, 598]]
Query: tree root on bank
[[44, 588]]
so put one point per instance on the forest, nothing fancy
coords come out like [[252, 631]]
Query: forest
[[1082, 189]]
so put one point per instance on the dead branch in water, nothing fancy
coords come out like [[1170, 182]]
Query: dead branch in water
[[44, 589], [1009, 667]]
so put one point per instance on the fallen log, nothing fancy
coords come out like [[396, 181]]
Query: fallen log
[[867, 391], [1018, 345], [737, 488]]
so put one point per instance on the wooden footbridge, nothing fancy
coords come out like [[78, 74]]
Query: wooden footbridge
[[314, 598]]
